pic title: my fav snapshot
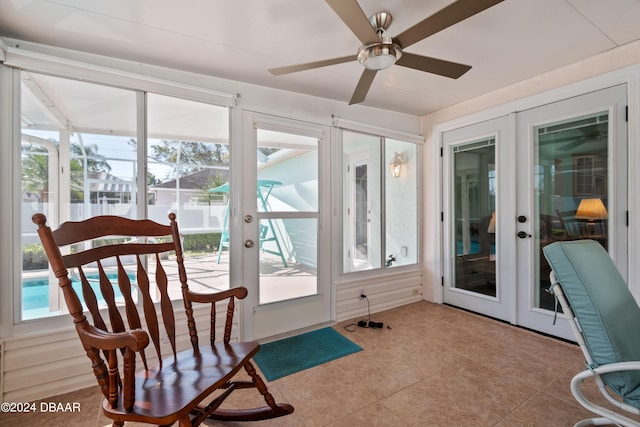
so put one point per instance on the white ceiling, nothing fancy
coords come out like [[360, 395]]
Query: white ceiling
[[240, 40]]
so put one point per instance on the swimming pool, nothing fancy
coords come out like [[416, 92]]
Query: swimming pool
[[35, 291]]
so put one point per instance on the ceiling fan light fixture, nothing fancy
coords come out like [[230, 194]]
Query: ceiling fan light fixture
[[378, 56]]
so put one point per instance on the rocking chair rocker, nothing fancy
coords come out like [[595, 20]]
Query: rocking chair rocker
[[180, 386]]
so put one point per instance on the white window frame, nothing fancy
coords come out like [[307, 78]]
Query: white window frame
[[17, 60], [340, 125]]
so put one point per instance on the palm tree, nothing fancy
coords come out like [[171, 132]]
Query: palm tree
[[35, 172], [35, 169]]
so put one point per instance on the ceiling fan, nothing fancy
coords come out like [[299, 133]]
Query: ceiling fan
[[379, 51]]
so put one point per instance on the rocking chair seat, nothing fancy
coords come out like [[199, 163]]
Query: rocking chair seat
[[195, 376]]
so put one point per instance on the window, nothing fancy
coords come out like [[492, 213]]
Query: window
[[71, 168], [188, 155], [589, 175], [380, 215], [81, 158]]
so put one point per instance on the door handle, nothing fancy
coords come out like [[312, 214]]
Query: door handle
[[248, 243], [523, 234]]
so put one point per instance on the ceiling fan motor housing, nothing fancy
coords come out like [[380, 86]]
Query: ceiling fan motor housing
[[381, 55]]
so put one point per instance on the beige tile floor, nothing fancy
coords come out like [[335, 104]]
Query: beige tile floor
[[434, 366]]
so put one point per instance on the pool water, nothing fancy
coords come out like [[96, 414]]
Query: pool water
[[35, 291]]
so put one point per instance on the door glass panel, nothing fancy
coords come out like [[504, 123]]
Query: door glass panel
[[570, 183], [287, 206], [288, 259], [474, 197]]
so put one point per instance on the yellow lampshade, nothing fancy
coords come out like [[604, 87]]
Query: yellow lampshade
[[591, 210], [492, 223]]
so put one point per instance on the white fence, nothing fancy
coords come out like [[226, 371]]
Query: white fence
[[192, 219]]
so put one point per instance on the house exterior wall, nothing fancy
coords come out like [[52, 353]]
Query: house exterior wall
[[298, 192]]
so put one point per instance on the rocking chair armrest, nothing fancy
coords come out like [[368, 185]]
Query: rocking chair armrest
[[239, 292], [135, 340]]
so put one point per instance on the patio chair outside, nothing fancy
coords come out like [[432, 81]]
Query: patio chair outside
[[267, 232]]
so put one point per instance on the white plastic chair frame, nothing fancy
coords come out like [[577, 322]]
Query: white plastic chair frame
[[607, 415]]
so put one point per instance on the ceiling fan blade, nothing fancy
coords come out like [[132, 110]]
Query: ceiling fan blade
[[351, 13], [278, 71], [444, 18], [433, 65], [572, 145], [363, 86]]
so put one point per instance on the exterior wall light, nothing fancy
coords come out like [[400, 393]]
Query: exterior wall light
[[396, 163]]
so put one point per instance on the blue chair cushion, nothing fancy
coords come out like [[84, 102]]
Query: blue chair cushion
[[606, 311]]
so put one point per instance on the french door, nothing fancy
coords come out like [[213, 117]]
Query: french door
[[518, 183], [284, 226], [572, 184], [476, 193]]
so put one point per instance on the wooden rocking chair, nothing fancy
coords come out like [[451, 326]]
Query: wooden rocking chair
[[177, 388]]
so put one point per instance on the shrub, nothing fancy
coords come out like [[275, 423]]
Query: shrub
[[33, 257], [205, 242]]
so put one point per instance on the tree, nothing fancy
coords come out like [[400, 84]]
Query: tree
[[35, 168], [95, 162], [192, 156], [35, 171], [152, 179]]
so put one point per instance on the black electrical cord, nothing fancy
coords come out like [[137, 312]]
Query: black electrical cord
[[365, 323]]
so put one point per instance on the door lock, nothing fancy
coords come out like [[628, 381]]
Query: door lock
[[248, 219], [523, 234], [248, 243]]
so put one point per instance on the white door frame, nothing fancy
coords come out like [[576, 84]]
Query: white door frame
[[630, 77], [281, 318], [501, 305], [613, 101]]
